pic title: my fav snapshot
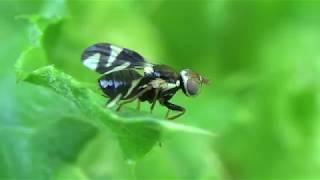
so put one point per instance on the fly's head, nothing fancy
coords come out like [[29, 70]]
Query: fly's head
[[191, 82]]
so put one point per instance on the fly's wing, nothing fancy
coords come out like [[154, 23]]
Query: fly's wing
[[105, 58]]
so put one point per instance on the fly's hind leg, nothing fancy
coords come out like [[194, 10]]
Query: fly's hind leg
[[154, 101], [113, 101], [134, 97], [173, 107], [138, 104]]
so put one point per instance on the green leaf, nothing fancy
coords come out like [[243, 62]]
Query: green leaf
[[137, 133], [45, 150], [59, 144]]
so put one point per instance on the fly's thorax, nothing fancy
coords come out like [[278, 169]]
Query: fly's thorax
[[162, 77], [165, 72]]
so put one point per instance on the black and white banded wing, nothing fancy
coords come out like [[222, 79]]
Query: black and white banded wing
[[105, 58]]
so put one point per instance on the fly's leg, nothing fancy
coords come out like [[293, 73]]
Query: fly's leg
[[173, 107], [134, 98], [106, 97], [154, 101], [167, 114], [138, 104], [113, 101]]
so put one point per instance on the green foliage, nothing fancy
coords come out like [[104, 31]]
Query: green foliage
[[136, 134], [263, 102], [58, 145]]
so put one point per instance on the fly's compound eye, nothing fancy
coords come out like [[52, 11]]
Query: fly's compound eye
[[192, 82], [192, 87]]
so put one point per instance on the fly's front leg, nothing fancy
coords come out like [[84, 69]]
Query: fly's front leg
[[173, 107]]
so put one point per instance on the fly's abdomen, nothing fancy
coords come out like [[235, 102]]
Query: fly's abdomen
[[119, 84]]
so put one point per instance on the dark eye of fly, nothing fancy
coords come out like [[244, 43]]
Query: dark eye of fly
[[192, 87]]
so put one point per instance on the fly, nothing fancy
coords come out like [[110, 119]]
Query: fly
[[127, 76]]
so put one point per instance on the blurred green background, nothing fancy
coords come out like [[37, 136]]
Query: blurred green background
[[263, 60]]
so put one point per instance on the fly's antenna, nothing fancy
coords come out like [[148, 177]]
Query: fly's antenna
[[205, 81]]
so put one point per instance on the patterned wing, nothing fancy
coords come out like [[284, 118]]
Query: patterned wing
[[106, 58]]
